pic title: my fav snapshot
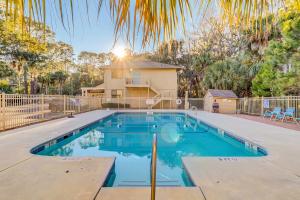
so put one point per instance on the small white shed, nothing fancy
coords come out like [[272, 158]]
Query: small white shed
[[225, 98]]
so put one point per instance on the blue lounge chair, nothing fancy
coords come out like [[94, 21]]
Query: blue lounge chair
[[287, 115], [272, 114]]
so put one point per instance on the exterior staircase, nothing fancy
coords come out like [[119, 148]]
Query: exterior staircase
[[146, 84], [157, 98]]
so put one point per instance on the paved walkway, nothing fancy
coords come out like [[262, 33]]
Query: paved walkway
[[27, 176], [276, 176], [289, 125]]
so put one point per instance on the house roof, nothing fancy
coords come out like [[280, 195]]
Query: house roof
[[222, 93], [142, 64]]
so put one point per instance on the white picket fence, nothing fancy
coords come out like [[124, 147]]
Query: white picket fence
[[18, 110], [258, 105]]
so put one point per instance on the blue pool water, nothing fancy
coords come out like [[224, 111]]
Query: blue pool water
[[128, 137]]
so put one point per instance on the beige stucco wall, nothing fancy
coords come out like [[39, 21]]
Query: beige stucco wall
[[113, 83], [227, 106], [163, 80], [139, 92]]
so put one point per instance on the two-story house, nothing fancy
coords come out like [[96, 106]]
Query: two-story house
[[136, 79]]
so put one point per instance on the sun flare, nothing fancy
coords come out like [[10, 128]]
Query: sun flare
[[119, 51]]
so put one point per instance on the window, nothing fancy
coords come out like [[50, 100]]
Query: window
[[116, 93], [117, 74]]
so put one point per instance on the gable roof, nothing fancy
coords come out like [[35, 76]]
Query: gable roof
[[141, 64], [222, 93]]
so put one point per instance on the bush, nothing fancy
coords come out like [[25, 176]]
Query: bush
[[5, 87]]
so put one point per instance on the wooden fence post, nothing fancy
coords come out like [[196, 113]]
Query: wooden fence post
[[43, 104], [79, 105], [262, 106], [140, 103], [124, 103], [3, 110], [98, 103], [248, 105], [244, 105], [64, 104]]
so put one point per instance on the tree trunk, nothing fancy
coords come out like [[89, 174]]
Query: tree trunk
[[19, 83], [42, 90], [25, 75], [33, 86], [60, 88]]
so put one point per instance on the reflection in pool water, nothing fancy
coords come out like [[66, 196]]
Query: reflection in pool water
[[170, 133]]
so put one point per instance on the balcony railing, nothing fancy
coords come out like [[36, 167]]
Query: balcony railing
[[131, 81]]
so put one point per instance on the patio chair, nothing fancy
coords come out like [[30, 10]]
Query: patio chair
[[272, 114], [287, 115]]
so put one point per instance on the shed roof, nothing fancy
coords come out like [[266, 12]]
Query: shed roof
[[142, 64], [222, 93]]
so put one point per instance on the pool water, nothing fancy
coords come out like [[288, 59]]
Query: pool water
[[128, 138]]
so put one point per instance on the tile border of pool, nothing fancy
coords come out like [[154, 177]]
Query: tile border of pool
[[246, 142], [221, 132], [34, 150]]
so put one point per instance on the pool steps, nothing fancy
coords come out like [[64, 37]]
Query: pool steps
[[137, 183]]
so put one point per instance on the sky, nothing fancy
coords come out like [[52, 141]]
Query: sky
[[89, 32]]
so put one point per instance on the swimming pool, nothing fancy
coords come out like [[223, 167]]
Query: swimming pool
[[128, 138]]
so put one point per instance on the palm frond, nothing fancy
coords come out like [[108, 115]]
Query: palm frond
[[156, 19]]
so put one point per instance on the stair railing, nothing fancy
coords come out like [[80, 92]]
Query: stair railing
[[153, 167]]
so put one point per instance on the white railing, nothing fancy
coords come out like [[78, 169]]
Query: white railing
[[258, 105], [18, 110], [131, 81], [153, 167]]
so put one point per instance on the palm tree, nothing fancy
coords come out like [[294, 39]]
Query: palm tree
[[155, 18], [60, 77]]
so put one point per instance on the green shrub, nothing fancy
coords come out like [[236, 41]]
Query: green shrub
[[5, 87]]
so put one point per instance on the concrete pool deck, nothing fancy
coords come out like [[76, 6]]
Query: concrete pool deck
[[27, 176], [275, 176]]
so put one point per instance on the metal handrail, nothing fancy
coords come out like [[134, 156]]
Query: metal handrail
[[153, 167]]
